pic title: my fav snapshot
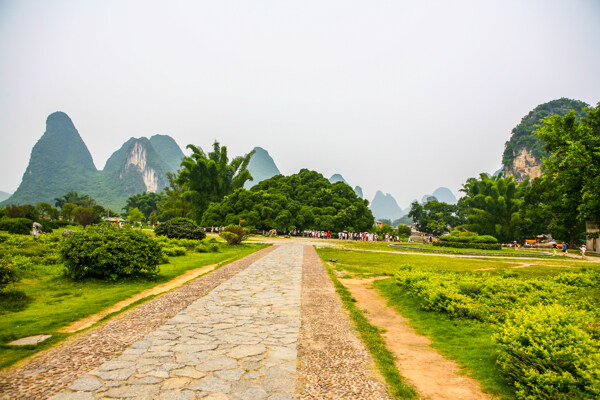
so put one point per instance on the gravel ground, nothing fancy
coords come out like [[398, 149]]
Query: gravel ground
[[332, 362], [54, 369]]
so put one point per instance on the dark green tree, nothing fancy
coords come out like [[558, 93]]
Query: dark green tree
[[145, 202], [74, 198], [491, 206], [435, 217], [208, 178], [571, 173], [302, 201]]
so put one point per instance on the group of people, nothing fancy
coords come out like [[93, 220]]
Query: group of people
[[583, 249]]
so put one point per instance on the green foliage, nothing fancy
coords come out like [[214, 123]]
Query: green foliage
[[469, 245], [173, 251], [547, 327], [135, 216], [550, 352], [491, 206], [568, 194], [147, 203], [17, 226], [8, 273], [468, 240], [84, 216], [434, 218], [210, 177], [233, 234], [180, 228], [403, 230], [74, 198], [522, 136], [109, 252], [302, 201]]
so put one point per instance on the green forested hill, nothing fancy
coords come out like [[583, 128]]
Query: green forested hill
[[522, 135], [60, 162]]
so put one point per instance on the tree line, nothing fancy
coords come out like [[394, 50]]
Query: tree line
[[560, 202]]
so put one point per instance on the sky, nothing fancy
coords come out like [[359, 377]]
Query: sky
[[397, 96]]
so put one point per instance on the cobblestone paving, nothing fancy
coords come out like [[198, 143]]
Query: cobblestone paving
[[333, 362], [56, 368], [237, 342]]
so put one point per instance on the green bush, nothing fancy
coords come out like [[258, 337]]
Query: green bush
[[180, 228], [8, 273], [468, 237], [17, 226], [461, 245], [174, 251], [109, 252], [548, 352], [4, 237], [233, 234], [205, 247]]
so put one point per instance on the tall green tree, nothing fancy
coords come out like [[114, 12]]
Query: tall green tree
[[174, 205], [208, 178], [434, 217], [571, 172], [145, 202], [491, 206], [74, 198]]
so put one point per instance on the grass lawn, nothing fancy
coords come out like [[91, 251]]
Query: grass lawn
[[55, 300], [464, 340], [410, 247]]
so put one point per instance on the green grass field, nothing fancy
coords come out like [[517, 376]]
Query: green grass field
[[465, 340], [54, 300]]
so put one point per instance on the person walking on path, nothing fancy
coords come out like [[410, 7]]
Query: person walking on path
[[564, 247], [583, 249], [554, 248]]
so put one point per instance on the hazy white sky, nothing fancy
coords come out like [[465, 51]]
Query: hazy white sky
[[401, 96]]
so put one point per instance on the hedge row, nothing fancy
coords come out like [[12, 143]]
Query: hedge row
[[469, 239], [459, 245]]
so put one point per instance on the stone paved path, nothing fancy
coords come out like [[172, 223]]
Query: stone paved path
[[237, 342], [56, 368]]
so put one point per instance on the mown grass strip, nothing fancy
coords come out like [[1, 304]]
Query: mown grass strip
[[372, 338]]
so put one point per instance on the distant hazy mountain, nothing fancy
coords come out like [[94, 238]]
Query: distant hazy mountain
[[337, 178], [358, 191], [60, 162], [444, 195], [4, 195], [261, 167], [385, 206]]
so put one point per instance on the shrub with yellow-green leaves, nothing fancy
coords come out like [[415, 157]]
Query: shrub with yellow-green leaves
[[550, 352]]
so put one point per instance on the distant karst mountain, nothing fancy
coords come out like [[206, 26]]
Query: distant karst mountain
[[60, 162], [524, 151], [4, 195], [359, 192], [384, 206], [444, 195], [261, 167], [337, 178]]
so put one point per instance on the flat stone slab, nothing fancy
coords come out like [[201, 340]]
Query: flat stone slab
[[237, 342], [29, 340]]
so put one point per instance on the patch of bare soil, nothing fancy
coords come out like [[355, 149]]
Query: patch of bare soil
[[432, 375], [158, 289]]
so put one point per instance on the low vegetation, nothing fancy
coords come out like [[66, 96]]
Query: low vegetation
[[523, 333], [180, 228], [44, 298]]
